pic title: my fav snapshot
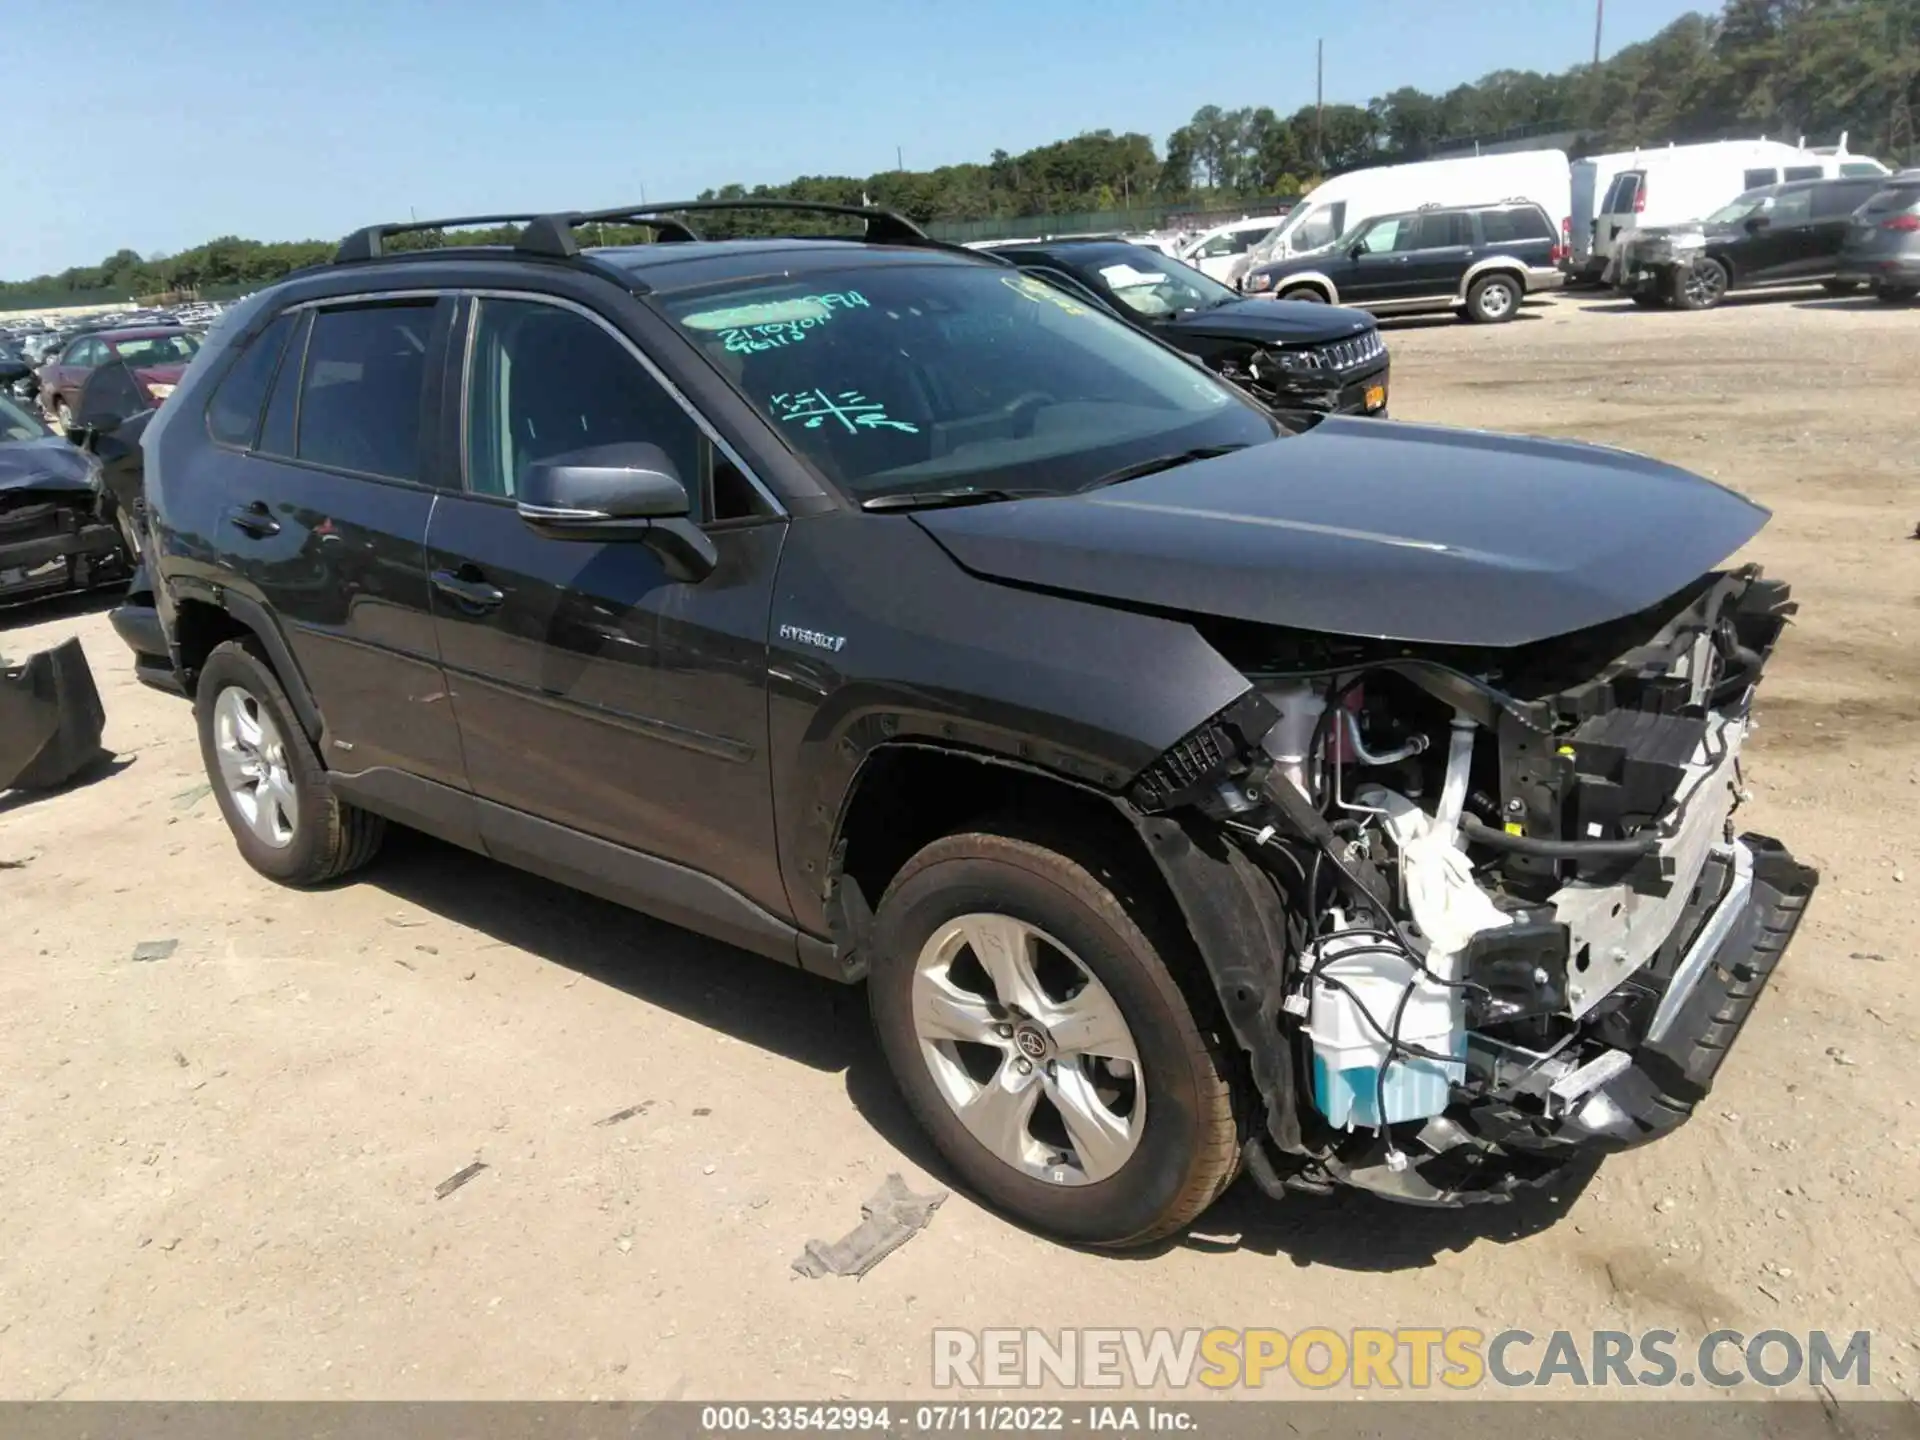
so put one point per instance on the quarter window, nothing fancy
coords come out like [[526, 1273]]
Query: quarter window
[[1509, 225], [1754, 179], [545, 381], [233, 416], [360, 390]]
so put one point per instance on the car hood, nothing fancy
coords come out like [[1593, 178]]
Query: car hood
[[48, 463], [1377, 529], [1273, 322]]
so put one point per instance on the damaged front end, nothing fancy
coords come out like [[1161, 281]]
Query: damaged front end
[[1474, 914]]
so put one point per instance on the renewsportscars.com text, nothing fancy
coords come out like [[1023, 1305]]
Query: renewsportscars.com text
[[1405, 1358]]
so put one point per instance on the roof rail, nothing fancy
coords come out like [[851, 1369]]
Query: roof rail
[[552, 235], [368, 243]]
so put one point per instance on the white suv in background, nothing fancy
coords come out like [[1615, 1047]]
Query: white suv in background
[[1214, 252]]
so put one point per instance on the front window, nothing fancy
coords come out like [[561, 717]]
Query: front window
[[910, 377], [1739, 208], [17, 424], [1156, 286], [157, 350]]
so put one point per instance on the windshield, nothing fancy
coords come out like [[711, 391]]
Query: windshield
[[158, 349], [17, 423], [1154, 285], [906, 377], [1750, 203]]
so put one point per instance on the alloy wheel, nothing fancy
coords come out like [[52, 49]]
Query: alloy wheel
[[1496, 300], [254, 767], [1029, 1049], [1706, 283]]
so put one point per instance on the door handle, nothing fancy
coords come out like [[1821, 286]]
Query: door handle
[[467, 589], [255, 519]]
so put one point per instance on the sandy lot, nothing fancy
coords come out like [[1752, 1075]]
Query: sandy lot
[[221, 1166]]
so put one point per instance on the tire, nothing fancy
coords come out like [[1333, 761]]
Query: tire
[[1494, 299], [1647, 300], [315, 838], [1307, 294], [1839, 287], [1702, 285], [1894, 294], [1173, 1096], [62, 415]]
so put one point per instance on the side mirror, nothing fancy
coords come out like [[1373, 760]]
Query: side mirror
[[1356, 250], [606, 493], [1757, 223]]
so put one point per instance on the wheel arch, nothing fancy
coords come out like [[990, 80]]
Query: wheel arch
[[1493, 263], [200, 624], [908, 793], [1312, 279]]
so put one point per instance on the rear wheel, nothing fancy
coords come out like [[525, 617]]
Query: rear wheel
[[1040, 1037], [1894, 294], [1309, 294], [1701, 285], [1493, 298], [285, 818]]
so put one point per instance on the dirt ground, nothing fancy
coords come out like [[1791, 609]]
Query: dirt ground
[[220, 1167]]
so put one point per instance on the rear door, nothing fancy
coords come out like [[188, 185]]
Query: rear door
[[323, 519], [1618, 210], [1440, 246], [593, 690]]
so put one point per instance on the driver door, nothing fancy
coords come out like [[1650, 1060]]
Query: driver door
[[1379, 270], [592, 690]]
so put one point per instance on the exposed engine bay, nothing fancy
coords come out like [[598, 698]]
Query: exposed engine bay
[[1519, 924]]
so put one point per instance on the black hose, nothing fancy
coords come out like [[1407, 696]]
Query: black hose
[[1645, 843]]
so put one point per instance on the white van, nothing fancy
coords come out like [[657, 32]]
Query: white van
[[1677, 183], [1215, 252], [1331, 209]]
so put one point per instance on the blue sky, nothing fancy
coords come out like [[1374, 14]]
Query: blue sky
[[175, 122]]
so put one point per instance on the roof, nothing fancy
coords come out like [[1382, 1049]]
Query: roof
[[683, 264]]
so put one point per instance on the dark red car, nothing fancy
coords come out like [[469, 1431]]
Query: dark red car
[[154, 355]]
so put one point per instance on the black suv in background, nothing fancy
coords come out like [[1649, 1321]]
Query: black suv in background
[[1777, 235], [1882, 248], [1299, 359], [1349, 803], [1483, 260]]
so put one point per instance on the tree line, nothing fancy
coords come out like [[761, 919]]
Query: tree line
[[1782, 67]]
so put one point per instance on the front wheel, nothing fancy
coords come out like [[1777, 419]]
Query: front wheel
[[1493, 299], [1040, 1037], [1648, 300], [1701, 285], [1306, 294]]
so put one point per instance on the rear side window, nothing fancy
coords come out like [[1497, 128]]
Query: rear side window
[[1622, 193], [360, 389], [1439, 232], [233, 415], [1755, 179], [1791, 208], [1518, 224], [1841, 198]]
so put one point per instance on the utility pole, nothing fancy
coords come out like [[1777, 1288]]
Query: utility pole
[[1319, 101], [1599, 16], [898, 162]]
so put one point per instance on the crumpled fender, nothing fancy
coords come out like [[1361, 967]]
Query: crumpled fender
[[51, 719]]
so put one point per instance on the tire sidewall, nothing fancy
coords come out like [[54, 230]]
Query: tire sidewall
[[1476, 299], [229, 666], [1128, 1202]]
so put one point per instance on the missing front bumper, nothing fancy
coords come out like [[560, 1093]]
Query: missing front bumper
[[1489, 1148]]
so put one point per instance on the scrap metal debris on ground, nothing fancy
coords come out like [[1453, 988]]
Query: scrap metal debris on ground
[[626, 1114], [51, 719], [892, 1216], [150, 950], [459, 1177]]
